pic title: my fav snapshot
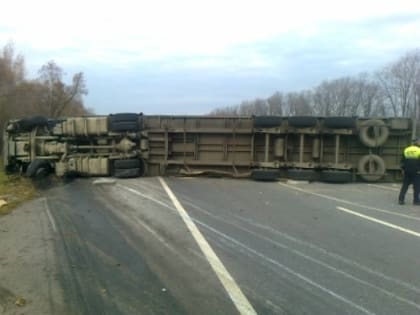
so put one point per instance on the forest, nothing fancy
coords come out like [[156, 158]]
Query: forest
[[392, 91], [47, 95]]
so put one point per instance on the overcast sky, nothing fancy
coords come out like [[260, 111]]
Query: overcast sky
[[188, 57]]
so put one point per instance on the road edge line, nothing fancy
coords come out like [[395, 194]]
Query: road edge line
[[238, 298], [50, 217]]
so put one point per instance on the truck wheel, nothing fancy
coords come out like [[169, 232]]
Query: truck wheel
[[38, 169], [373, 133], [129, 163], [265, 175], [28, 124], [302, 121], [336, 176], [125, 117], [371, 167], [267, 121], [127, 172], [124, 122], [339, 122], [302, 174], [124, 126]]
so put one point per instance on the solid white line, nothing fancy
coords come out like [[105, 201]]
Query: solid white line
[[239, 299], [351, 203], [50, 217], [392, 226]]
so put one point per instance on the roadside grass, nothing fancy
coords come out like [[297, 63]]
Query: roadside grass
[[14, 189]]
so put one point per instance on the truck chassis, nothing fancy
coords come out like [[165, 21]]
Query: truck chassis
[[332, 149]]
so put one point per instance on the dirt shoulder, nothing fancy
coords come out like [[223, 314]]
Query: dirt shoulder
[[28, 270], [14, 190]]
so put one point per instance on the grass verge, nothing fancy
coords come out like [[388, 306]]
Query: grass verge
[[14, 189]]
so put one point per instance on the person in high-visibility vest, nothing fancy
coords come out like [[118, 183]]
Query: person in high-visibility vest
[[410, 165]]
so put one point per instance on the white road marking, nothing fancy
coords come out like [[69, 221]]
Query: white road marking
[[393, 188], [351, 203], [392, 226], [50, 217], [146, 196], [307, 257], [287, 269], [307, 244], [333, 255], [305, 279], [230, 285]]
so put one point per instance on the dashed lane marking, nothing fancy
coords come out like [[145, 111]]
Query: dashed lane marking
[[235, 293]]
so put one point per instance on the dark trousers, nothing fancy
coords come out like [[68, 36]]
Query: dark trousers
[[414, 179]]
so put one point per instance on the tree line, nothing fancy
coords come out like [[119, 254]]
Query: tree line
[[393, 91], [47, 95]]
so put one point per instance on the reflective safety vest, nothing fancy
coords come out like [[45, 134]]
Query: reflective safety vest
[[412, 152]]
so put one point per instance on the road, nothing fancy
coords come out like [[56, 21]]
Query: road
[[224, 246]]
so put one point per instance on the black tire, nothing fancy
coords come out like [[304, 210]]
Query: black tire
[[302, 121], [339, 122], [302, 174], [371, 167], [124, 126], [38, 169], [127, 172], [267, 121], [265, 175], [373, 133], [129, 163], [124, 117], [28, 124], [336, 176]]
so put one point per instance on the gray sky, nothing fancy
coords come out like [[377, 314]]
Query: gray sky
[[188, 57]]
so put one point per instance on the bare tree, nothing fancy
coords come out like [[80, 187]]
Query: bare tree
[[398, 84], [299, 103], [59, 96], [275, 104], [49, 96]]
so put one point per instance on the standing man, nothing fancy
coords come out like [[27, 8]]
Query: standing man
[[410, 165]]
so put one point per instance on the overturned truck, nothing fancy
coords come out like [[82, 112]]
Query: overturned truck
[[332, 149]]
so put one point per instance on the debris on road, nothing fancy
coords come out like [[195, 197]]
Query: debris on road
[[3, 202], [20, 301]]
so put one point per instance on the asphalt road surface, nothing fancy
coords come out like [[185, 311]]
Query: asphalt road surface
[[222, 246]]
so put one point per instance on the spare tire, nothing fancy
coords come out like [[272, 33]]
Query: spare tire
[[336, 176], [302, 121], [371, 167], [265, 175], [267, 121], [339, 122], [373, 133]]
